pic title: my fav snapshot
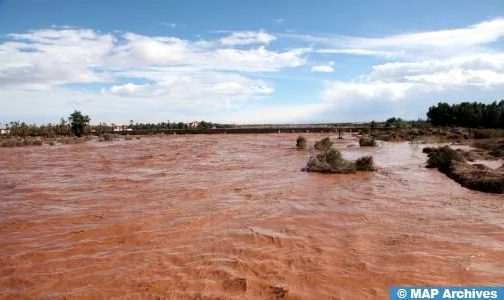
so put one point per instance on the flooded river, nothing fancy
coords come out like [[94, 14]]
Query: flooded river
[[232, 216]]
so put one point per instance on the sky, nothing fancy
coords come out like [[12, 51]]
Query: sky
[[246, 61]]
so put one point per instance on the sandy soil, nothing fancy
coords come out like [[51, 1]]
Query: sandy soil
[[232, 216]]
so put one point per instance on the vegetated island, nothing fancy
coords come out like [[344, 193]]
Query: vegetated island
[[331, 160], [474, 176]]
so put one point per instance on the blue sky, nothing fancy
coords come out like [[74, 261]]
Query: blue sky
[[246, 61]]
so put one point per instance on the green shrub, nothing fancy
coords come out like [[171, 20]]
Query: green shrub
[[324, 144], [474, 176], [442, 158], [14, 142], [301, 142], [8, 143], [364, 163], [494, 147], [107, 137], [331, 161], [71, 140], [367, 141]]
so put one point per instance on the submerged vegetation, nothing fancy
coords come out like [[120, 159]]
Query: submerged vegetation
[[301, 142], [331, 161], [20, 142], [474, 176], [107, 137], [367, 141], [494, 147], [324, 144], [364, 163]]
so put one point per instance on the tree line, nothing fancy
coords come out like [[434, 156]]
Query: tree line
[[468, 114], [78, 124]]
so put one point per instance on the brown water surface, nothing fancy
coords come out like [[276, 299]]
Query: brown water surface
[[232, 216]]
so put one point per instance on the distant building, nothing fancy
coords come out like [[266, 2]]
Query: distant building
[[4, 131], [122, 128]]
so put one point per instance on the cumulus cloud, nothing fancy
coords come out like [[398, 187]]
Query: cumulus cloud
[[42, 59], [46, 58], [179, 70], [139, 50], [247, 38], [322, 69], [428, 65], [209, 89], [402, 80], [480, 69]]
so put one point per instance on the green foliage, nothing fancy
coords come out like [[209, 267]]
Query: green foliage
[[107, 137], [70, 140], [324, 144], [442, 158], [301, 142], [396, 122], [20, 142], [494, 147], [467, 114], [474, 176], [331, 161], [78, 123], [367, 141], [487, 133], [364, 163]]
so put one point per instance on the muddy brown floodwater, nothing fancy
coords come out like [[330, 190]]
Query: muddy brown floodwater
[[232, 216]]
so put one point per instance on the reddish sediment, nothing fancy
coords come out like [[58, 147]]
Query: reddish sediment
[[232, 216]]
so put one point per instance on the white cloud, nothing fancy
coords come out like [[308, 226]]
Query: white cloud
[[185, 87], [322, 69], [45, 58], [481, 33], [142, 50], [355, 91], [481, 69], [367, 52], [446, 42], [419, 84], [432, 63], [247, 38]]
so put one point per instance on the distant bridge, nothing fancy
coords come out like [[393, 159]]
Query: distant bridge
[[253, 129]]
